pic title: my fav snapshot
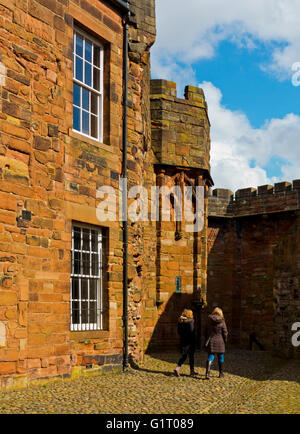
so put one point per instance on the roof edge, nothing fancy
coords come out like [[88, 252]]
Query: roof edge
[[120, 5]]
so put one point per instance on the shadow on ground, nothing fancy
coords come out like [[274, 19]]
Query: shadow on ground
[[254, 365]]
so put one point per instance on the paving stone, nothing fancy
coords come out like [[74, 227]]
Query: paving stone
[[254, 382]]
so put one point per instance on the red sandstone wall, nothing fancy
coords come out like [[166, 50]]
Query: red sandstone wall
[[242, 235], [54, 173], [286, 292], [181, 145], [142, 235], [220, 267]]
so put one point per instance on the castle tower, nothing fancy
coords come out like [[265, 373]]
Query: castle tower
[[181, 147]]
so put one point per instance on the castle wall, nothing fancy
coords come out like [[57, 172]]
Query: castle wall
[[181, 144], [243, 231], [142, 234], [49, 176], [286, 264]]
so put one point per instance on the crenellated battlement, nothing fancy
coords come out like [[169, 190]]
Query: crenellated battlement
[[165, 89], [180, 126], [282, 196]]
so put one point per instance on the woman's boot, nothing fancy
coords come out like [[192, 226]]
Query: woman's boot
[[221, 374], [208, 366]]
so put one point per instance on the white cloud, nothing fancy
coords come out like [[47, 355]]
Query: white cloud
[[190, 31], [236, 144], [170, 70]]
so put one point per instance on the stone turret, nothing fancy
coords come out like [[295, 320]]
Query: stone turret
[[180, 127]]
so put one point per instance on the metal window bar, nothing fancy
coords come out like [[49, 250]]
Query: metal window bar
[[90, 272]]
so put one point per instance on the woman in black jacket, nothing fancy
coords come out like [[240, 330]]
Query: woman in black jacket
[[186, 331]]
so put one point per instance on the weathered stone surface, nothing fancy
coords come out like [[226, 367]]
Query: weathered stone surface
[[2, 334], [246, 275], [50, 175], [183, 122], [253, 383]]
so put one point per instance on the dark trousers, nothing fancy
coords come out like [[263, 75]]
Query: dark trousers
[[187, 351]]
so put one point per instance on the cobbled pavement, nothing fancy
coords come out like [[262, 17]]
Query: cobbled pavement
[[254, 383]]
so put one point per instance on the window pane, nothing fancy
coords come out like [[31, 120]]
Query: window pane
[[76, 95], [85, 123], [93, 312], [94, 126], [76, 263], [76, 238], [96, 56], [94, 241], [94, 103], [88, 51], [75, 288], [75, 312], [76, 118], [79, 45], [85, 99], [84, 289], [84, 312], [85, 239], [95, 265], [96, 79], [93, 289], [88, 74], [79, 69], [86, 64], [85, 264]]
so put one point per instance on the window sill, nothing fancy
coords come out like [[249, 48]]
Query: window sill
[[88, 140], [89, 334]]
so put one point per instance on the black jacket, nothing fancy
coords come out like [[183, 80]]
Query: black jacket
[[186, 331]]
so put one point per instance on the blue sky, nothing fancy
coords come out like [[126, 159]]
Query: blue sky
[[245, 86], [242, 57]]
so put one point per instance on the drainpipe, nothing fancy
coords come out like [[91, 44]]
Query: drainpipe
[[124, 8], [124, 174]]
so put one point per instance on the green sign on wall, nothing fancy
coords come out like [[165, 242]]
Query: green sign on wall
[[178, 284]]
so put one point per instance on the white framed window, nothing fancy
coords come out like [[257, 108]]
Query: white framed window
[[87, 85], [87, 298]]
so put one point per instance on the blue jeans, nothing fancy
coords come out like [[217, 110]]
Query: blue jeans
[[211, 357]]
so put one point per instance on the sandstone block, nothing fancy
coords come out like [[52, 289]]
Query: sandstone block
[[2, 334], [42, 143], [8, 298], [7, 368]]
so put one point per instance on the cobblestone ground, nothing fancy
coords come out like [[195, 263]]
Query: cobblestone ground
[[254, 382]]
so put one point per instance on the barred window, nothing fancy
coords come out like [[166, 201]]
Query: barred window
[[87, 85], [87, 299]]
